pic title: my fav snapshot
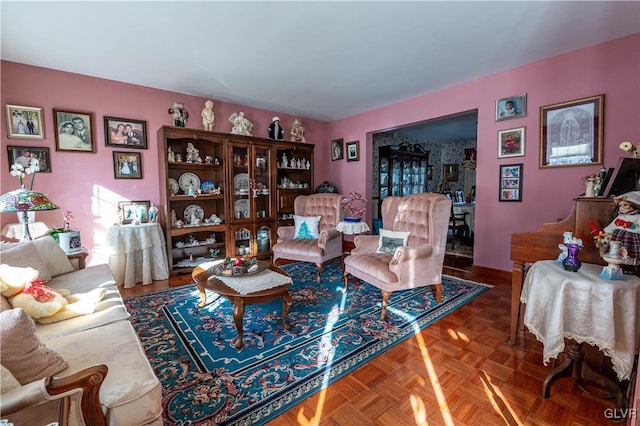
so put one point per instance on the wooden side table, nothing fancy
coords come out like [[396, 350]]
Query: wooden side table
[[79, 258]]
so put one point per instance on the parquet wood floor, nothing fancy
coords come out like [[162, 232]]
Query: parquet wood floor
[[458, 371]]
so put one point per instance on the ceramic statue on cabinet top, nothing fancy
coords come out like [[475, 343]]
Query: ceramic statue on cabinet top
[[241, 125], [297, 131], [275, 130], [179, 113], [208, 116]]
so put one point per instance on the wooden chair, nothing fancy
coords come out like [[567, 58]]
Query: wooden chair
[[458, 226]]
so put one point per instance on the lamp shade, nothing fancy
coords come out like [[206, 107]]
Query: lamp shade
[[25, 200]]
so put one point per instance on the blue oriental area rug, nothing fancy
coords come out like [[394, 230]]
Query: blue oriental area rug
[[206, 381]]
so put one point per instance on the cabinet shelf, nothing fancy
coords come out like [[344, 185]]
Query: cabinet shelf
[[188, 229], [189, 166], [197, 197]]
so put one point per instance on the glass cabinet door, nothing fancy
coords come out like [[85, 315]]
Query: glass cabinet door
[[406, 176], [396, 175], [241, 183], [261, 184], [384, 178]]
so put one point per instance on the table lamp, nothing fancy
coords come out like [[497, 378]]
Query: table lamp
[[22, 201]]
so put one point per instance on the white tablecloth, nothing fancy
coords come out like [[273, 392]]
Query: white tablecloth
[[351, 228], [138, 254], [470, 210], [14, 230], [583, 307]]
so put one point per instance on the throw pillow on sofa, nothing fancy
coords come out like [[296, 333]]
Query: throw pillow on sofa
[[7, 381], [52, 254], [306, 226], [26, 255], [390, 240], [21, 351]]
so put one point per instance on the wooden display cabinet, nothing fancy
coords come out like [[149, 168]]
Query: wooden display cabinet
[[193, 196], [401, 172], [294, 177]]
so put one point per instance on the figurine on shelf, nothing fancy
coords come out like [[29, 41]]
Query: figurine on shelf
[[153, 213], [297, 131], [284, 162], [241, 125], [208, 117], [173, 218], [275, 130], [171, 157], [180, 114], [292, 163], [193, 154]]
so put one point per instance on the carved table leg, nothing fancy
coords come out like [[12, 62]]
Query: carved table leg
[[203, 296], [385, 298], [286, 297], [238, 313], [557, 373]]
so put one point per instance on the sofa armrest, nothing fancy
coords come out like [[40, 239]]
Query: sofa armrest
[[84, 384], [286, 233]]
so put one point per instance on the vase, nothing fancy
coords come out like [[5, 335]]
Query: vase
[[70, 241], [352, 219], [571, 262]]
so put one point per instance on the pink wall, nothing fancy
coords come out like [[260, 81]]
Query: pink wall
[[84, 182], [611, 69]]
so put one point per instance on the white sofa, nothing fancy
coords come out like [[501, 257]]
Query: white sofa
[[130, 394]]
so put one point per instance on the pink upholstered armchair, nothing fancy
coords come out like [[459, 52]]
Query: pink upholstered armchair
[[417, 263], [327, 246]]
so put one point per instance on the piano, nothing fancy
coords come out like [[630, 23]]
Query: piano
[[529, 247]]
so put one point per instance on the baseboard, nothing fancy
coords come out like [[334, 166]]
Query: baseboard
[[498, 273]]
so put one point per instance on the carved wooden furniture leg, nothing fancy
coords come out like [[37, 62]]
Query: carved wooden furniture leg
[[286, 297], [238, 313], [438, 293], [319, 265], [345, 278], [581, 370], [203, 295], [385, 298]]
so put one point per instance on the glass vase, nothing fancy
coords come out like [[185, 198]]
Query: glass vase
[[571, 262]]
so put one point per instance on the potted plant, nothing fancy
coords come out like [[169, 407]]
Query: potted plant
[[68, 239], [354, 207]]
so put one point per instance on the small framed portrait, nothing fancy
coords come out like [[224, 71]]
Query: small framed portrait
[[23, 155], [353, 151], [24, 122], [75, 131], [125, 132], [510, 185], [571, 133], [337, 149], [127, 165], [134, 211], [511, 107], [511, 143], [450, 172]]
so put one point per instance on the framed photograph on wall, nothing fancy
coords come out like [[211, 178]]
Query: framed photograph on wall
[[23, 155], [511, 143], [510, 182], [353, 151], [125, 133], [429, 172], [511, 107], [134, 210], [337, 149], [450, 172], [571, 133], [127, 165], [24, 122], [75, 131]]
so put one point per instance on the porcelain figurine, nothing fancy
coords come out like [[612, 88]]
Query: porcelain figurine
[[208, 117], [179, 113], [241, 125], [297, 131]]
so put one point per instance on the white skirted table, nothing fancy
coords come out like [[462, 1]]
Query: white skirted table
[[138, 254], [583, 308], [351, 228]]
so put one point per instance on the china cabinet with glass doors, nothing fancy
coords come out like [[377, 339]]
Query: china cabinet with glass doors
[[401, 172]]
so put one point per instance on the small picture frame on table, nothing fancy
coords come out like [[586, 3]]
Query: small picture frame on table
[[125, 133], [75, 131], [353, 151], [24, 122], [511, 107], [134, 211], [510, 185], [127, 165], [337, 149], [23, 155], [511, 143]]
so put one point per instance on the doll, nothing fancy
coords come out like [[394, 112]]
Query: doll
[[625, 227]]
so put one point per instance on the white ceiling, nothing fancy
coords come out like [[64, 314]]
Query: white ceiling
[[323, 60]]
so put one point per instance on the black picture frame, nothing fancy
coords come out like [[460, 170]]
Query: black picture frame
[[41, 153], [82, 138], [571, 133], [117, 135], [353, 151], [337, 149], [510, 182], [127, 165], [129, 210]]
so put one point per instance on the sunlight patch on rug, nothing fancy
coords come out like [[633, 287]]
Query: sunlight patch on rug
[[207, 381]]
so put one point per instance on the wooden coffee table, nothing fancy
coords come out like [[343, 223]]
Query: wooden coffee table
[[206, 281]]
